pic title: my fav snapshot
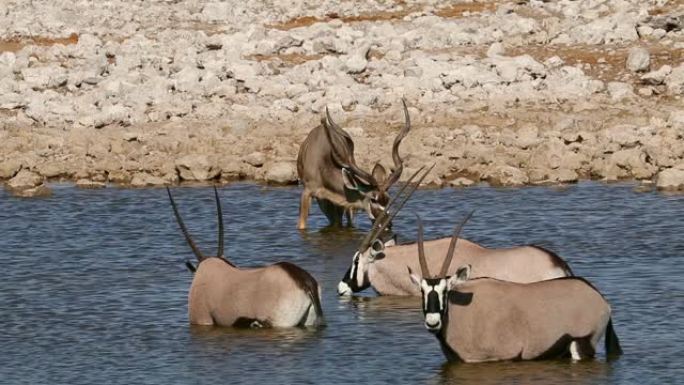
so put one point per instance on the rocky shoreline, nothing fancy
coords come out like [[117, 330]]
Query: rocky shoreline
[[504, 92]]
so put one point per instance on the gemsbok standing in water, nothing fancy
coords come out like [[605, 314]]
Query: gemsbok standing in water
[[278, 295], [326, 167], [383, 267], [486, 319]]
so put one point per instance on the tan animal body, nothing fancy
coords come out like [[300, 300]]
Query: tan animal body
[[221, 294], [383, 267], [328, 171], [486, 319]]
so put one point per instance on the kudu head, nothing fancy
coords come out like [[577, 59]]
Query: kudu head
[[434, 289], [371, 188], [200, 257], [372, 247]]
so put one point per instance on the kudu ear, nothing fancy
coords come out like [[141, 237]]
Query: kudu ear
[[353, 182], [414, 278], [462, 275], [380, 174]]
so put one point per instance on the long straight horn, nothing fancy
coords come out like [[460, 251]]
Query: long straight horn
[[379, 224], [406, 198], [219, 212], [421, 251], [188, 238], [398, 162], [452, 245]]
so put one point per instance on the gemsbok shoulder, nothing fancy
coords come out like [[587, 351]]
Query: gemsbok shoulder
[[486, 319], [328, 171], [382, 265], [222, 294]]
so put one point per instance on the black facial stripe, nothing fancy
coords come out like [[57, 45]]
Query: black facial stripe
[[432, 302]]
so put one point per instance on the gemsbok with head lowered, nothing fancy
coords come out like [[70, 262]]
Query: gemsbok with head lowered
[[486, 319], [221, 294], [328, 171], [382, 265]]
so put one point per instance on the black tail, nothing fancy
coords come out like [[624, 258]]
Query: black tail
[[190, 266], [613, 349]]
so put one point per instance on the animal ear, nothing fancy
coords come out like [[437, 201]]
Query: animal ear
[[414, 278], [377, 250], [354, 183], [379, 173], [392, 241], [462, 275]]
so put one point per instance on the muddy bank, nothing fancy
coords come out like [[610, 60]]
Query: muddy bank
[[510, 93]]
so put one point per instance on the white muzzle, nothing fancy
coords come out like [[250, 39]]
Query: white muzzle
[[343, 289], [433, 321]]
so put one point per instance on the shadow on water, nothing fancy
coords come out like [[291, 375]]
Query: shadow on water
[[530, 372]]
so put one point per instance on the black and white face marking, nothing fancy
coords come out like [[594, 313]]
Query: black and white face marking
[[434, 292], [354, 279]]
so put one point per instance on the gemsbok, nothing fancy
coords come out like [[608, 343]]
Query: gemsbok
[[328, 171], [486, 319], [221, 294], [382, 265]]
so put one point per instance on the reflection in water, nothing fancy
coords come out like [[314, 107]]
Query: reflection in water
[[94, 289], [528, 372]]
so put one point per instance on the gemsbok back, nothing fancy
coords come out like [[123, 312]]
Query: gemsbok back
[[382, 265], [486, 319], [221, 294], [328, 171]]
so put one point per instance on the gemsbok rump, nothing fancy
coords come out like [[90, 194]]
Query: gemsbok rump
[[221, 294], [328, 171], [486, 319], [383, 267]]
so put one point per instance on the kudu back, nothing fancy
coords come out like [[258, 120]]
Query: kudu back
[[384, 267], [221, 294], [486, 319], [329, 173]]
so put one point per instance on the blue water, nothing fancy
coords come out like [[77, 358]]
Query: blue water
[[94, 290]]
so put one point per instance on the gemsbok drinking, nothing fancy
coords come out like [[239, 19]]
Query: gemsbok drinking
[[278, 295], [382, 265], [486, 319], [328, 171]]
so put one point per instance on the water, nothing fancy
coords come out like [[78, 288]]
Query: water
[[94, 290]]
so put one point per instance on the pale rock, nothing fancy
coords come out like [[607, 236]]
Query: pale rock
[[675, 81], [495, 49], [89, 184], [9, 168], [656, 77], [461, 182], [255, 159], [670, 179], [40, 191], [196, 167], [281, 173], [358, 60], [216, 11], [41, 78], [119, 176], [505, 175], [143, 179], [619, 91], [25, 179], [187, 80], [638, 60]]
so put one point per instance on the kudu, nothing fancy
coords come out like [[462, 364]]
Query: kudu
[[383, 267], [328, 171], [487, 319], [278, 295]]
